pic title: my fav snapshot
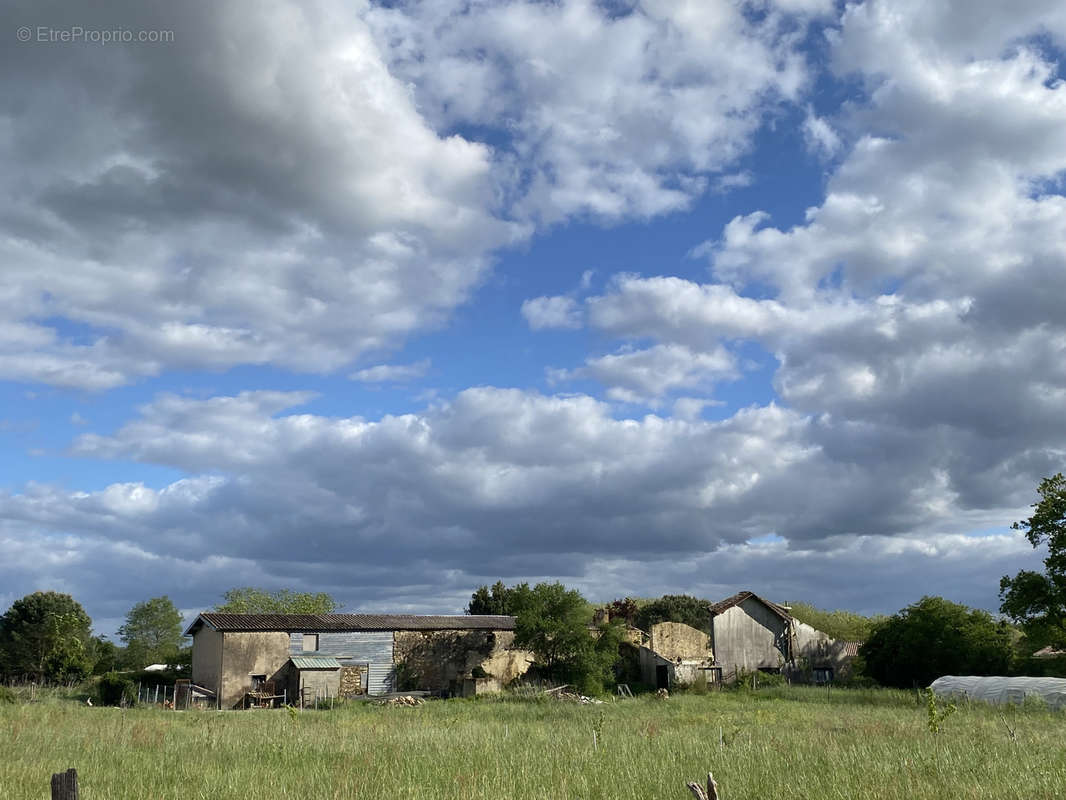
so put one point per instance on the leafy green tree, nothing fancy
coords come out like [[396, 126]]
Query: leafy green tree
[[497, 600], [1037, 601], [553, 622], [935, 637], [252, 600], [693, 611], [846, 625], [104, 654], [152, 633], [45, 636]]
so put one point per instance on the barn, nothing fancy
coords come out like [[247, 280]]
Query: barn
[[750, 633]]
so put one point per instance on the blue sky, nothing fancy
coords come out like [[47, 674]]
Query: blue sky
[[392, 300]]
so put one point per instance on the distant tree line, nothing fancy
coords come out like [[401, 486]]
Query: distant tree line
[[47, 637]]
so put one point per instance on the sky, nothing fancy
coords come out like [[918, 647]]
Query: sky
[[394, 299]]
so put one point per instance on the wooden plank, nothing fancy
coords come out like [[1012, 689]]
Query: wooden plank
[[65, 785]]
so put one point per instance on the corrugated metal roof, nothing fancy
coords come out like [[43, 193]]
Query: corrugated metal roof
[[315, 662], [740, 597], [315, 623]]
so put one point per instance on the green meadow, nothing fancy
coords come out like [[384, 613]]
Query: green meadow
[[775, 744]]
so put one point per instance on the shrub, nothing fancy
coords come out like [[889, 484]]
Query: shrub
[[115, 689], [761, 680], [8, 696]]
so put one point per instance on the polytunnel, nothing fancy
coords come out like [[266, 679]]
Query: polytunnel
[[1002, 691]]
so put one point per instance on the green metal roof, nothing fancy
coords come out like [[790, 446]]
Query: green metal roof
[[315, 662]]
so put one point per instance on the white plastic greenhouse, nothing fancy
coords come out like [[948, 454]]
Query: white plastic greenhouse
[[1000, 691]]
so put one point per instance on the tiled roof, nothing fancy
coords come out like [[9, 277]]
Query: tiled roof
[[740, 597], [851, 649], [312, 623], [315, 662]]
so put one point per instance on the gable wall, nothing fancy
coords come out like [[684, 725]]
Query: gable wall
[[245, 654], [749, 636]]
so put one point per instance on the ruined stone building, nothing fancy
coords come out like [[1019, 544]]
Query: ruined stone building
[[748, 634], [351, 654], [676, 654]]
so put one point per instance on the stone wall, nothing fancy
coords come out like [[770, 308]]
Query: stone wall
[[353, 680], [442, 660], [676, 640]]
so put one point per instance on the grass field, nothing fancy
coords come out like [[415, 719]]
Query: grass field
[[786, 743]]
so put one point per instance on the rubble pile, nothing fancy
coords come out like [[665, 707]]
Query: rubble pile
[[405, 700], [578, 698]]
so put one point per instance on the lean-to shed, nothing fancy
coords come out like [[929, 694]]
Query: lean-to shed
[[308, 677]]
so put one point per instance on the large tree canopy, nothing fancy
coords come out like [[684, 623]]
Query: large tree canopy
[[936, 637], [1038, 601], [554, 623], [252, 600], [45, 636], [152, 632]]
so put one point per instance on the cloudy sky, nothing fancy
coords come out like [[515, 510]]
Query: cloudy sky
[[392, 299]]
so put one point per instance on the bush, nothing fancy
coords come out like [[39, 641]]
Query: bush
[[115, 689], [936, 637], [8, 696], [762, 680], [767, 679]]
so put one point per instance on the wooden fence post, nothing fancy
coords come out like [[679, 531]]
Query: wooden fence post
[[65, 785], [699, 794]]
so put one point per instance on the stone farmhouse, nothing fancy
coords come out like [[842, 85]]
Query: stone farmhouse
[[242, 658], [239, 658]]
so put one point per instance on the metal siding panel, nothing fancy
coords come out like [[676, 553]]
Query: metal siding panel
[[366, 647], [296, 644]]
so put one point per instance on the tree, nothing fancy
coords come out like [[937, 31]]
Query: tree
[[553, 622], [693, 611], [935, 637], [498, 600], [104, 654], [252, 600], [625, 610], [1038, 601], [152, 633], [45, 636]]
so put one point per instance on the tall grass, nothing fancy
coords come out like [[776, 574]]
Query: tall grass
[[782, 743]]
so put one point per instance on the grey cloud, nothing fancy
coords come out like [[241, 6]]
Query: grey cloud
[[259, 190]]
